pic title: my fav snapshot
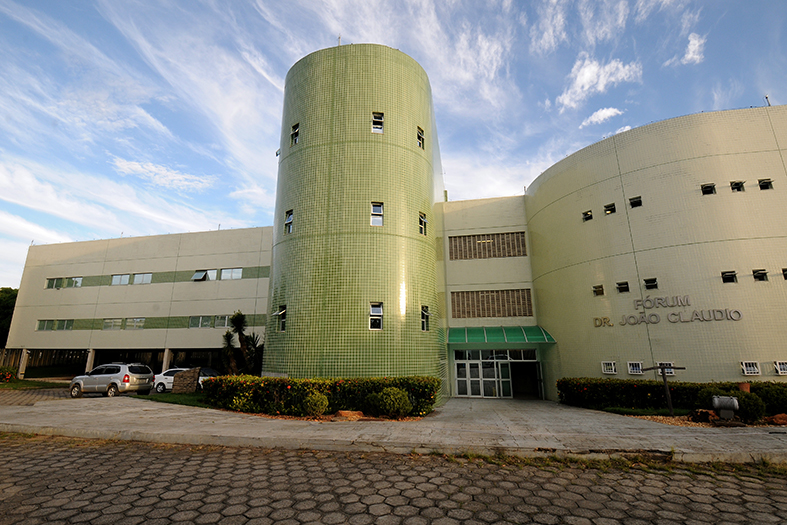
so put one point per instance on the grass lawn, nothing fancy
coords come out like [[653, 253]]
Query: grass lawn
[[192, 400], [29, 384]]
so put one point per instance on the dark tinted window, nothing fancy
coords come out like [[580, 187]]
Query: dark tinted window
[[98, 371], [139, 369], [112, 370], [208, 372]]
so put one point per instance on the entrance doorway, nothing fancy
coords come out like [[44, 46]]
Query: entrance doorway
[[497, 373]]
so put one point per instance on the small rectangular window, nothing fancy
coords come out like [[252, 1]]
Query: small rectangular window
[[135, 323], [635, 368], [651, 283], [231, 274], [112, 324], [281, 313], [74, 282], [609, 209], [425, 318], [204, 275], [142, 278], [421, 141], [45, 324], [377, 214], [295, 134], [737, 185], [765, 184], [781, 367], [760, 275], [422, 223], [635, 202], [587, 216], [375, 316], [708, 189], [609, 367], [221, 321], [623, 287], [377, 122], [64, 324], [288, 222], [667, 371], [598, 290], [750, 368], [729, 277], [120, 279]]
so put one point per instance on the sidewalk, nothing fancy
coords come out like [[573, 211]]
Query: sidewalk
[[521, 428]]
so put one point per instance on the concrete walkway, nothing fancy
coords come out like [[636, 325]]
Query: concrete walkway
[[522, 428]]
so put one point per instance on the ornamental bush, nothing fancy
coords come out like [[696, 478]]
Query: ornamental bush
[[7, 374], [751, 407], [392, 402], [774, 395], [315, 404]]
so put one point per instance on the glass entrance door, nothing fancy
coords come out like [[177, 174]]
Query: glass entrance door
[[487, 373]]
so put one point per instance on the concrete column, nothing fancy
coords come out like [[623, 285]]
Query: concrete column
[[91, 357], [23, 363], [167, 359]]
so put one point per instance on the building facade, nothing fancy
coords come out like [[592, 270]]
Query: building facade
[[659, 245]]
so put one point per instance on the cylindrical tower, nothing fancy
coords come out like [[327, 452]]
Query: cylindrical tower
[[354, 287]]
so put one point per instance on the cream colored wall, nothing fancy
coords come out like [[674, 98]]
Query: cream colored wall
[[484, 216], [186, 252], [679, 236]]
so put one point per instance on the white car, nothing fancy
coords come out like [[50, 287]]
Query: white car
[[163, 382]]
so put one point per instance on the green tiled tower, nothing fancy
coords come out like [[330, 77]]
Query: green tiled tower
[[354, 288]]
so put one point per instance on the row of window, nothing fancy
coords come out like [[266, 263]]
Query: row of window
[[487, 246], [761, 275], [705, 189], [375, 317], [736, 186], [137, 278], [227, 274], [376, 219], [64, 282], [378, 127], [131, 323], [54, 324], [652, 283], [748, 368], [209, 321]]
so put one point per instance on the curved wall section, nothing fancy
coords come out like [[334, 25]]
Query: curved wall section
[[677, 219], [358, 129]]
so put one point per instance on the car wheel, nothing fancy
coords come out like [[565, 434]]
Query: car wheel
[[112, 391], [76, 391], [161, 388]]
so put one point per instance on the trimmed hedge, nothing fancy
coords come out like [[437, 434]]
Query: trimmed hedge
[[286, 396], [599, 393]]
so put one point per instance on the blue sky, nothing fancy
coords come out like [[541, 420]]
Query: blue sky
[[131, 117]]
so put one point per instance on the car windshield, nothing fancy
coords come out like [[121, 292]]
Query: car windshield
[[139, 369], [208, 372]]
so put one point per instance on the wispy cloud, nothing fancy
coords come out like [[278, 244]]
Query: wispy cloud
[[602, 115], [644, 8], [621, 130], [162, 176], [602, 20], [694, 52], [15, 226], [549, 31], [723, 95], [589, 77]]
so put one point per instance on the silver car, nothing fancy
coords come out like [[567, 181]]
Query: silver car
[[113, 379]]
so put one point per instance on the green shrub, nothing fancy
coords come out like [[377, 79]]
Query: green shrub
[[392, 402], [775, 398], [315, 404], [7, 374], [751, 407], [279, 395]]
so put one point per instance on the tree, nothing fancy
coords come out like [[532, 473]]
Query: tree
[[7, 303], [228, 353]]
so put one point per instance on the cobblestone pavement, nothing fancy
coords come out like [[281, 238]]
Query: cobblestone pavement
[[64, 480], [32, 396]]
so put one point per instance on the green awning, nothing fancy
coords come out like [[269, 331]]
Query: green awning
[[497, 337]]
